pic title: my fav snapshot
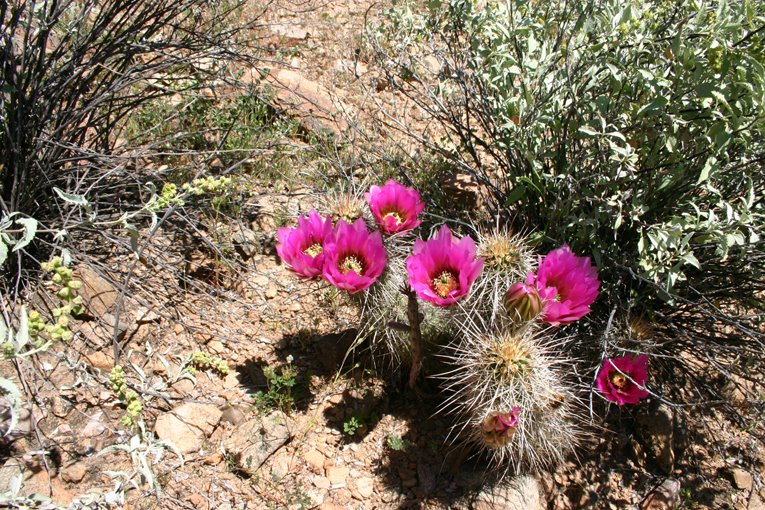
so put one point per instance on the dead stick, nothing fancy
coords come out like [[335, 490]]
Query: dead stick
[[415, 335]]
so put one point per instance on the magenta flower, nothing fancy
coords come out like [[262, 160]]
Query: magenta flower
[[395, 207], [302, 247], [569, 285], [522, 301], [622, 380], [354, 258], [442, 269]]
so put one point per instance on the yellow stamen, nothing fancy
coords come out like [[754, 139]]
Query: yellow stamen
[[444, 283], [393, 214], [314, 250], [351, 263], [619, 380]]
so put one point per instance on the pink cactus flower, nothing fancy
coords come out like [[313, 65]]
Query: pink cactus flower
[[442, 269], [522, 302], [302, 247], [354, 258], [498, 428], [622, 380], [395, 207], [568, 284]]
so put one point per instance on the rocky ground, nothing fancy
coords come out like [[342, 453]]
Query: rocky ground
[[353, 437]]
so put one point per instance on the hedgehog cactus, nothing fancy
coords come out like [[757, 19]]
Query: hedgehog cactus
[[507, 260], [510, 398], [506, 377]]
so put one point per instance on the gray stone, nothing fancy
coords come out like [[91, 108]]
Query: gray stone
[[255, 440], [98, 293], [656, 429], [246, 242], [665, 497], [517, 493]]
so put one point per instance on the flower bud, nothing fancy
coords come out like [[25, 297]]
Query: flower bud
[[522, 302]]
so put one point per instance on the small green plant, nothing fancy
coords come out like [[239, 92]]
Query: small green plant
[[686, 499], [352, 425], [127, 397], [168, 197], [281, 383], [204, 361], [397, 443]]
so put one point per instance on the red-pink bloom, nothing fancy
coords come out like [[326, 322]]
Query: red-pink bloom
[[302, 247], [354, 258], [622, 380], [395, 207], [442, 269], [568, 284], [522, 301]]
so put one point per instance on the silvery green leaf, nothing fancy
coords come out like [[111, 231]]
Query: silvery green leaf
[[3, 251], [22, 335], [15, 485], [30, 229], [71, 198], [13, 396]]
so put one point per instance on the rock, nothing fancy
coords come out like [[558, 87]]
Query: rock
[[233, 415], [742, 479], [216, 347], [321, 482], [337, 474], [272, 291], [255, 440], [41, 483], [315, 460], [245, 242], [198, 501], [656, 429], [426, 477], [432, 65], [665, 497], [100, 360], [145, 315], [111, 322], [98, 293], [308, 101], [74, 473], [364, 488], [188, 425], [178, 329], [520, 492], [289, 33], [260, 280], [11, 470], [183, 387], [94, 427]]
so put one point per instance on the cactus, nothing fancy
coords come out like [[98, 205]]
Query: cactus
[[510, 398], [507, 260]]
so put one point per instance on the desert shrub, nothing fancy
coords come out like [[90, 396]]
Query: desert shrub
[[73, 74], [632, 131]]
